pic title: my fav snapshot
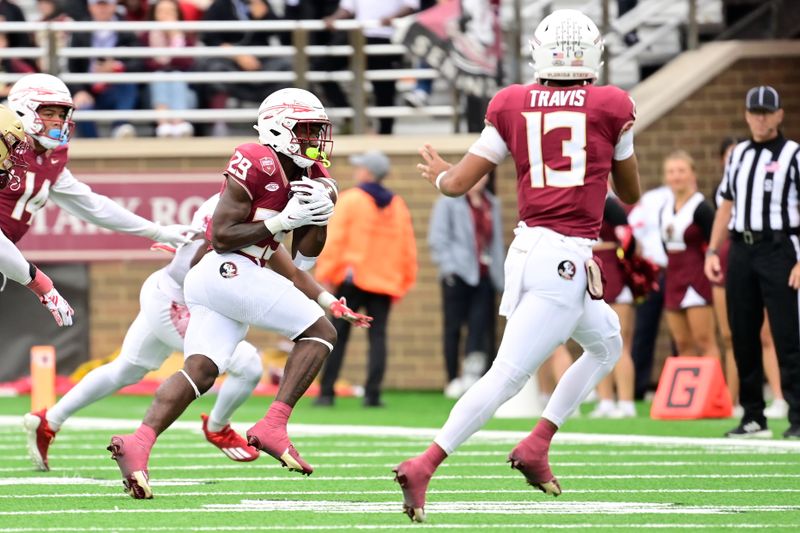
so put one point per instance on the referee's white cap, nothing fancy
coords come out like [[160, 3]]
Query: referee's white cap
[[763, 98]]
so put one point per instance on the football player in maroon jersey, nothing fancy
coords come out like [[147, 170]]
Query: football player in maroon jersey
[[44, 105], [565, 135], [268, 192]]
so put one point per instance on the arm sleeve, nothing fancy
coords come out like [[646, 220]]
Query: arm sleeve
[[614, 214], [78, 199], [439, 236], [704, 218], [624, 147], [12, 264], [490, 145], [182, 262]]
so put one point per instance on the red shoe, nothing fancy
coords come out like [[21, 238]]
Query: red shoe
[[231, 443], [40, 436], [532, 461], [131, 459], [277, 444], [413, 479]]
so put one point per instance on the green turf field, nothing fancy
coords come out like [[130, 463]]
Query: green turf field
[[615, 475]]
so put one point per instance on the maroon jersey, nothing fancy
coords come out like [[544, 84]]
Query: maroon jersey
[[562, 140], [256, 167], [17, 207]]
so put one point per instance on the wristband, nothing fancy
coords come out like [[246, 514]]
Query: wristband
[[40, 284], [326, 300], [711, 252], [273, 225], [439, 180]]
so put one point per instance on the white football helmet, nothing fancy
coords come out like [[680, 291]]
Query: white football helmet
[[36, 90], [285, 118], [567, 46]]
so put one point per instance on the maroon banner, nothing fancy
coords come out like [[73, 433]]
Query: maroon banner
[[56, 235]]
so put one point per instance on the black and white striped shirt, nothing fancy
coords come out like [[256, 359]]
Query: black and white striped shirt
[[763, 182]]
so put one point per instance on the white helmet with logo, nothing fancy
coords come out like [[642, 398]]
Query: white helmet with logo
[[285, 118], [34, 91], [567, 46]]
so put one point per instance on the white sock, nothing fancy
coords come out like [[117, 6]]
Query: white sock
[[243, 376], [97, 384], [605, 405], [626, 406]]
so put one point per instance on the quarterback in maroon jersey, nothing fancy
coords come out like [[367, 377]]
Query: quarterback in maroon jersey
[[44, 105], [565, 135], [272, 188]]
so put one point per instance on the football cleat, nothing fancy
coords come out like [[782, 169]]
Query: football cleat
[[40, 436], [534, 465], [229, 442], [413, 479], [276, 443], [750, 430], [132, 459]]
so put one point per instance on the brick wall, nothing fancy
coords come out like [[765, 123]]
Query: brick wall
[[415, 355], [716, 110]]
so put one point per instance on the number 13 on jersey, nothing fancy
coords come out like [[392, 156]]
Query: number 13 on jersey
[[538, 125]]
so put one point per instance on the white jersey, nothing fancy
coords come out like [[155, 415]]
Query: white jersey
[[646, 225], [173, 275]]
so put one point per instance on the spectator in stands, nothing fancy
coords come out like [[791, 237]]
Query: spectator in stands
[[385, 11], [165, 95], [686, 221], [102, 95], [466, 241], [11, 12], [215, 96], [418, 96], [370, 258], [623, 6], [11, 65]]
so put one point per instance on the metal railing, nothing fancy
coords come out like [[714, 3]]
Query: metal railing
[[51, 55]]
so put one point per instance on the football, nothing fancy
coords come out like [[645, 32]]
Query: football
[[330, 185]]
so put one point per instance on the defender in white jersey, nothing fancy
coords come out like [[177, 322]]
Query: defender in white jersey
[[157, 331], [44, 105]]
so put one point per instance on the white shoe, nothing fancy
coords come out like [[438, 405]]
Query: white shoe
[[604, 409], [778, 409], [123, 131], [455, 389], [624, 410], [183, 129]]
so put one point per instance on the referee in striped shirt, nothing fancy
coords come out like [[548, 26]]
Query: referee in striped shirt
[[761, 211]]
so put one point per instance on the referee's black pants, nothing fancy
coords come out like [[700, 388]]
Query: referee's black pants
[[758, 277], [378, 307]]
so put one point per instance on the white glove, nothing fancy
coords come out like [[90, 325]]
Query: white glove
[[174, 234], [297, 214], [310, 190], [58, 307]]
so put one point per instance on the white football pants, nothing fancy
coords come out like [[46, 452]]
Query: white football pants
[[546, 303]]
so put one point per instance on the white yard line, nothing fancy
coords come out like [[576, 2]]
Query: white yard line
[[416, 527], [322, 430], [460, 508], [285, 493]]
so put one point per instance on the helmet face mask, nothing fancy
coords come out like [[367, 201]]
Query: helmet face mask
[[30, 95], [13, 148], [294, 123], [567, 46]]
